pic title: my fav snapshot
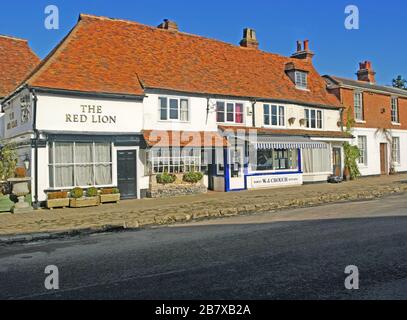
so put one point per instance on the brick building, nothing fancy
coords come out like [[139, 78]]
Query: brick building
[[380, 120]]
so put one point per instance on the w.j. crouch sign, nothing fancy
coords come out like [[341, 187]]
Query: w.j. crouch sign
[[277, 180], [90, 114]]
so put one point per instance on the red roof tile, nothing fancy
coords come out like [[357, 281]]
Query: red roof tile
[[17, 60], [288, 132], [184, 138], [114, 56]]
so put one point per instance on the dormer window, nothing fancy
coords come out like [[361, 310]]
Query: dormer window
[[301, 79]]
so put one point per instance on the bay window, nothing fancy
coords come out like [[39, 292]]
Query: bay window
[[173, 109], [229, 112], [80, 164], [175, 160]]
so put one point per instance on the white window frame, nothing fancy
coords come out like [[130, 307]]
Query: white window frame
[[180, 162], [309, 119], [395, 149], [53, 165], [363, 148], [395, 117], [358, 106], [281, 116], [225, 112], [301, 79], [179, 100]]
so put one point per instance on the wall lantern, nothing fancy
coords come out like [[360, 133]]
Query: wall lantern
[[27, 162]]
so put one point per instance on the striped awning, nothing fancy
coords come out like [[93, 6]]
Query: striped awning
[[264, 142]]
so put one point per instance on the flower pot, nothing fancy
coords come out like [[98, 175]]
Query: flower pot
[[84, 202], [57, 203], [110, 198]]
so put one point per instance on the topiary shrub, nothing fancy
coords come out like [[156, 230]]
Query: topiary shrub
[[77, 193], [193, 177], [166, 178], [115, 191], [92, 192]]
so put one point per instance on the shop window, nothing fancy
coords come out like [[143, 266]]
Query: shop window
[[276, 160], [316, 160], [80, 164], [175, 160]]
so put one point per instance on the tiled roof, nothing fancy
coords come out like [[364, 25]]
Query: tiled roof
[[365, 85], [105, 55], [17, 60], [184, 138], [288, 132]]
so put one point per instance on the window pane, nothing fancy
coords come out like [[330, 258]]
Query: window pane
[[319, 119], [264, 160], [184, 110], [307, 118], [239, 113], [84, 175], [103, 174], [63, 152], [174, 109], [220, 112], [83, 152], [281, 116], [230, 116], [103, 152], [266, 112], [274, 117], [313, 119], [64, 176], [163, 109]]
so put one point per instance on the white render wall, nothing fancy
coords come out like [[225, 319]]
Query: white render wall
[[373, 150], [202, 120]]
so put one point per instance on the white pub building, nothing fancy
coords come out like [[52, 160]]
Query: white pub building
[[117, 102]]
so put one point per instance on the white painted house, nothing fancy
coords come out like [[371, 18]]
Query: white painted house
[[118, 102]]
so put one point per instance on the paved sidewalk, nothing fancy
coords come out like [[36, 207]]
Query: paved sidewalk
[[138, 213]]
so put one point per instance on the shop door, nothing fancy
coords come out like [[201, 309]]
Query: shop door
[[337, 162], [127, 173], [383, 158]]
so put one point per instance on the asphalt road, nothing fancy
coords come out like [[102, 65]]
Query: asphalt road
[[228, 259]]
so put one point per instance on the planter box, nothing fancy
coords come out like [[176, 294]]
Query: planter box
[[57, 203], [110, 198], [84, 202]]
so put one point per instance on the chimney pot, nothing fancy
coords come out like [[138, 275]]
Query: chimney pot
[[306, 45], [168, 25], [303, 53], [366, 72], [299, 46], [249, 39]]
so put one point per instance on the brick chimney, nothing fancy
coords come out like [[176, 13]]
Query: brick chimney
[[303, 51], [168, 25], [366, 72], [249, 39]]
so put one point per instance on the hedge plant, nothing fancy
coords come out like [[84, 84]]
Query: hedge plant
[[166, 178], [193, 177]]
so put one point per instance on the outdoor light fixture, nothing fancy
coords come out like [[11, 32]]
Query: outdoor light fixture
[[27, 162]]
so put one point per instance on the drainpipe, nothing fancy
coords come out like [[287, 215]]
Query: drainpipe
[[254, 113], [36, 137], [342, 119]]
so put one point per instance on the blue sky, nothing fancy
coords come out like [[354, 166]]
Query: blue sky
[[381, 37]]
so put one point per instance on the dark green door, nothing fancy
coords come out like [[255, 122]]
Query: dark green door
[[127, 173]]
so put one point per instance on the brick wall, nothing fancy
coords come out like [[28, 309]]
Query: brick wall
[[374, 104]]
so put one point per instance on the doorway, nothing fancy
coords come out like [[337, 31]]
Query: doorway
[[383, 159], [127, 173], [337, 162]]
